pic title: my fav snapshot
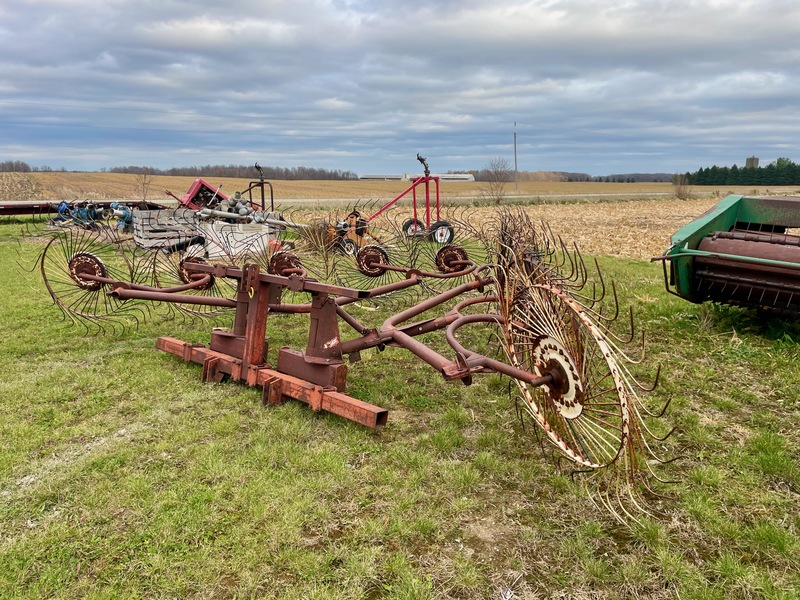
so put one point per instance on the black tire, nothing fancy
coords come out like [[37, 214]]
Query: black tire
[[348, 246], [412, 227], [442, 232]]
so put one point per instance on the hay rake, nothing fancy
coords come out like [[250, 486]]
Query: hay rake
[[555, 327]]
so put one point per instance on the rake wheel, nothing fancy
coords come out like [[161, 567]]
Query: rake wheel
[[174, 269], [585, 411], [74, 253]]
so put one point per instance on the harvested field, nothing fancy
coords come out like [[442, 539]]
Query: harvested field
[[83, 186], [104, 186], [639, 229], [635, 229], [18, 186], [633, 220]]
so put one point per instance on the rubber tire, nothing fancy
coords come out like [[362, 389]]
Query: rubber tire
[[348, 247], [442, 232], [412, 227]]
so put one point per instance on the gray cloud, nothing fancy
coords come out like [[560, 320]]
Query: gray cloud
[[617, 86]]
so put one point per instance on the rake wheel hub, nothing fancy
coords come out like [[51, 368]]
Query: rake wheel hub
[[86, 263], [188, 276], [370, 260], [283, 263], [448, 257], [565, 391]]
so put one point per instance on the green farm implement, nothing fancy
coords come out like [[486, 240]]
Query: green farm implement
[[744, 251]]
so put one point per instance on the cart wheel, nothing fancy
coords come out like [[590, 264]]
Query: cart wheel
[[412, 227], [348, 246], [442, 232], [586, 410], [68, 258]]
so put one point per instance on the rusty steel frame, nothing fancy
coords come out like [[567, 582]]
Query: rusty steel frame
[[318, 375], [555, 338]]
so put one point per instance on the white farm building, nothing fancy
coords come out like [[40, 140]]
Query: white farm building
[[407, 177]]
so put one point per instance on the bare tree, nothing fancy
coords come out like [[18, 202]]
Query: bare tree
[[496, 175], [142, 183], [680, 181]]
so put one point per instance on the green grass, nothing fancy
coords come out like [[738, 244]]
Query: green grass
[[123, 476]]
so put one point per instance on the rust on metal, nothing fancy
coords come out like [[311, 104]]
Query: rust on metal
[[533, 293]]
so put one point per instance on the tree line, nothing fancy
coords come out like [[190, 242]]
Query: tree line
[[241, 172], [783, 171], [20, 166], [237, 171]]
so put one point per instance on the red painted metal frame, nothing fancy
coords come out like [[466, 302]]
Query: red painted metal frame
[[188, 199], [417, 181]]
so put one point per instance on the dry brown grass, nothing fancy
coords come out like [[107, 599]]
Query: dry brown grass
[[71, 186]]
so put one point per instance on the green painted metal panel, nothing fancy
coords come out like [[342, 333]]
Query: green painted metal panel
[[721, 217], [770, 211], [777, 210]]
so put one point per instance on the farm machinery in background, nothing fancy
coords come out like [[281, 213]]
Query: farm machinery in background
[[438, 230], [236, 219], [78, 212], [211, 223], [741, 252], [347, 235], [354, 232]]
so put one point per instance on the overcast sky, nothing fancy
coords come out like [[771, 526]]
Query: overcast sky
[[363, 85]]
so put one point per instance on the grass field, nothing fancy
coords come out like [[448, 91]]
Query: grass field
[[123, 476]]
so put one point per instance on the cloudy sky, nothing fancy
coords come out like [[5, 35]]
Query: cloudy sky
[[599, 86]]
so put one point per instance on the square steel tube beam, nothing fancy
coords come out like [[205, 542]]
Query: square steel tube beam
[[276, 386]]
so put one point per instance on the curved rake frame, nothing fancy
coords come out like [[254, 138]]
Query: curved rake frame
[[553, 323]]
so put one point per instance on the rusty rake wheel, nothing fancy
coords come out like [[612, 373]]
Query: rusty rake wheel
[[585, 412], [448, 259], [372, 266], [591, 411], [70, 263], [171, 269]]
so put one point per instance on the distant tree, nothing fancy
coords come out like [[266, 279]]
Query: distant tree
[[782, 171], [680, 183], [14, 166], [733, 176], [495, 176], [786, 171], [142, 183], [242, 172]]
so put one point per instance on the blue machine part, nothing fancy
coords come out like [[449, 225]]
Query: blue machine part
[[124, 215]]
